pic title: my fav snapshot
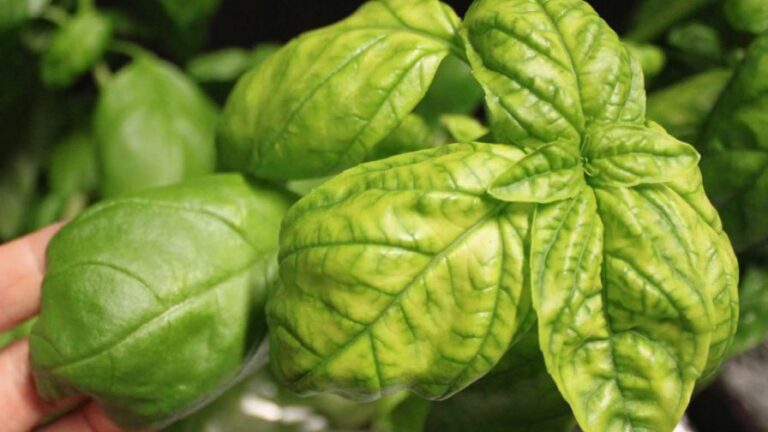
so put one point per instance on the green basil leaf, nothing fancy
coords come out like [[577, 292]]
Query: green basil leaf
[[187, 14], [747, 15], [362, 75], [425, 292], [654, 17], [646, 322], [75, 48], [697, 44], [412, 134], [72, 164], [738, 119], [551, 173], [228, 64], [549, 69], [650, 57], [628, 155], [683, 107], [18, 181], [463, 128], [153, 302], [734, 143], [14, 13], [753, 320], [453, 91], [518, 395], [153, 127]]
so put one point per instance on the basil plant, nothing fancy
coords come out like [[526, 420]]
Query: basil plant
[[579, 217], [564, 248]]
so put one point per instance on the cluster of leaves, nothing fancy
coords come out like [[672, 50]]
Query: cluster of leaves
[[713, 93], [552, 259]]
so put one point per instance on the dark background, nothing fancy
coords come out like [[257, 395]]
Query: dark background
[[244, 23]]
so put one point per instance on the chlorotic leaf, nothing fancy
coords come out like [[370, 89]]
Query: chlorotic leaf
[[551, 173], [628, 155], [425, 292], [363, 76], [549, 68]]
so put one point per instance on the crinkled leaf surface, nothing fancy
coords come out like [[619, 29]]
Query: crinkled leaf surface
[[651, 57], [324, 100], [623, 350], [423, 292], [152, 302], [153, 127], [597, 214]]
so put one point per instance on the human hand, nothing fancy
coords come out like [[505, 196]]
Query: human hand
[[22, 266]]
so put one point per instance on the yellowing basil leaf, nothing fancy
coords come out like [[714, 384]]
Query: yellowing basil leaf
[[549, 69], [628, 155], [322, 102], [425, 292], [550, 173]]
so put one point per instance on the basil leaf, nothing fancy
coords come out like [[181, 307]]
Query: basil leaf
[[75, 48], [14, 13], [747, 15], [463, 128], [227, 64], [362, 75], [753, 320], [650, 57], [151, 336], [425, 292], [153, 127], [628, 155], [412, 134], [648, 321], [654, 17], [683, 107], [549, 74], [453, 91], [735, 149], [518, 395], [551, 173]]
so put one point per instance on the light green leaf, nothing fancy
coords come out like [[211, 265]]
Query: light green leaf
[[650, 57], [153, 127], [551, 173], [683, 107], [227, 65], [643, 319], [628, 155], [549, 69], [75, 48], [425, 292], [322, 102], [697, 44], [518, 395], [412, 134], [454, 91], [747, 15], [153, 302], [463, 128]]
